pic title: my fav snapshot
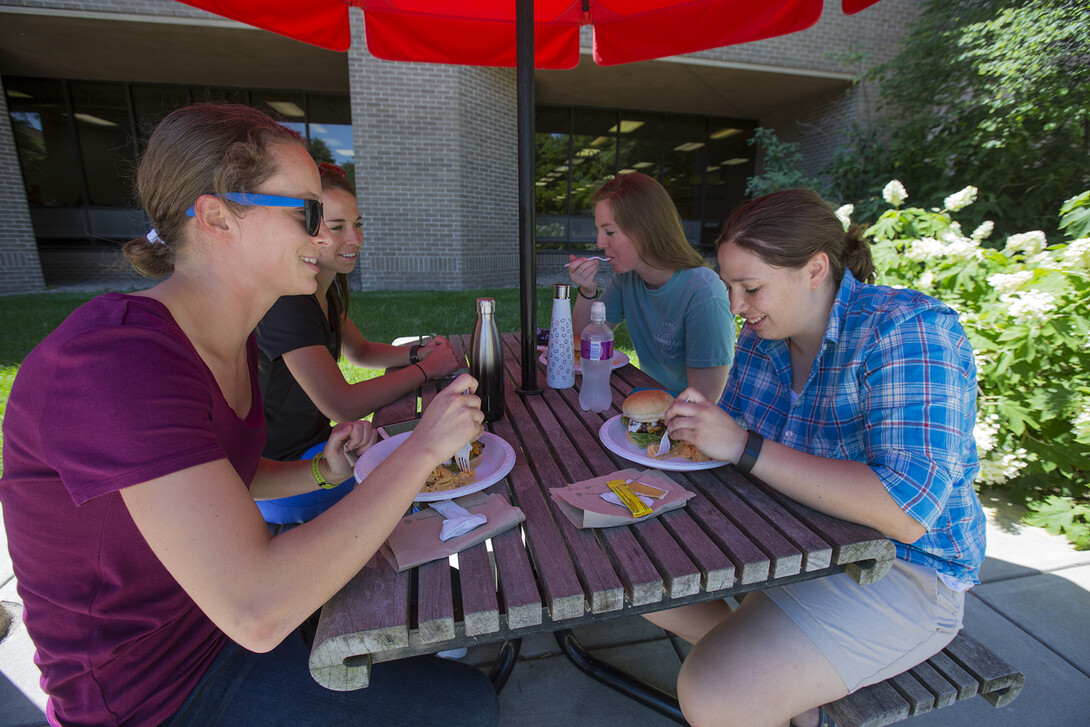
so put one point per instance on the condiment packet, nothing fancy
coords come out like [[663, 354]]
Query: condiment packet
[[585, 505]]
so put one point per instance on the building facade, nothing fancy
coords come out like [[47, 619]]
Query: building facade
[[432, 147]]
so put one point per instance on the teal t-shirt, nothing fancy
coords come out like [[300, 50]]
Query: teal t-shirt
[[686, 322]]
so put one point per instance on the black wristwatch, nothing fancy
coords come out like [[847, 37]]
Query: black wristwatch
[[751, 452], [413, 358]]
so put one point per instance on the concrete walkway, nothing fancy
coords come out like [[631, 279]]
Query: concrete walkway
[[1033, 609]]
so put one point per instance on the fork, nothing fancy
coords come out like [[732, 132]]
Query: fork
[[593, 257], [664, 444], [462, 456]]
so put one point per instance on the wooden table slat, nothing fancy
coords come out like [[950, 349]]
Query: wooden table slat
[[817, 554], [517, 587], [717, 569], [435, 607], [560, 583], [479, 605], [573, 444], [785, 558]]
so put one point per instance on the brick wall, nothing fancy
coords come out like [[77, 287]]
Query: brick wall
[[20, 269], [436, 172]]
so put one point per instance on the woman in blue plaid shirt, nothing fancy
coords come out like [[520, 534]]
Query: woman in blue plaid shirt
[[859, 401]]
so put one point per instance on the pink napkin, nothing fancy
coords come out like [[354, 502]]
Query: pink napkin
[[416, 539], [583, 504]]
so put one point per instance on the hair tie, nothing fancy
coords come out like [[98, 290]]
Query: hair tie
[[153, 237]]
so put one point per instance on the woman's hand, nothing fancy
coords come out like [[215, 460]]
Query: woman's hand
[[695, 419], [438, 358], [346, 443], [584, 273], [453, 418]]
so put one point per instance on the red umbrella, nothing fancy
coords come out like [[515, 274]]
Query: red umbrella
[[482, 32], [497, 33]]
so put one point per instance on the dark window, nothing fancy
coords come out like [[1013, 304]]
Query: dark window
[[79, 142], [46, 142], [101, 113], [703, 162]]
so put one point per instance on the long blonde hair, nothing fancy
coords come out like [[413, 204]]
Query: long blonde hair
[[644, 211]]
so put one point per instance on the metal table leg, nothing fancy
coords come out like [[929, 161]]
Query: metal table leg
[[646, 694], [504, 663]]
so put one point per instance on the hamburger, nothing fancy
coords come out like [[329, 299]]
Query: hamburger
[[642, 415]]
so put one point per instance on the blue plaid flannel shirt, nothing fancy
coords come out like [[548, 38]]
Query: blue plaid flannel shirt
[[894, 387]]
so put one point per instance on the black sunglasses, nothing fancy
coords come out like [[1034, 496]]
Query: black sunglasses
[[311, 207]]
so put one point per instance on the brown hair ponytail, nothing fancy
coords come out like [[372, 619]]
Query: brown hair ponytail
[[786, 229], [207, 148]]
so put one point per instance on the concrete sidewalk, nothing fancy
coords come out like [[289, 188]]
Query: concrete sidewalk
[[1032, 608]]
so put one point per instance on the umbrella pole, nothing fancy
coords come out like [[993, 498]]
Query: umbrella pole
[[524, 40]]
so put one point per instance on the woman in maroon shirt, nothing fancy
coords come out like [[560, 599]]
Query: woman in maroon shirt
[[153, 590]]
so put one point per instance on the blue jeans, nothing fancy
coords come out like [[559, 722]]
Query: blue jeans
[[243, 688]]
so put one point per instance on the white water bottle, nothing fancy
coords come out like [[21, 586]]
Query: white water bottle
[[560, 371], [596, 354]]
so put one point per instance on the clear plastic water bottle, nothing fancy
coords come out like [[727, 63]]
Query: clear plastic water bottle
[[596, 352], [560, 371]]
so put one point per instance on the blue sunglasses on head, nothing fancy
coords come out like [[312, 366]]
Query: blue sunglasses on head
[[312, 207]]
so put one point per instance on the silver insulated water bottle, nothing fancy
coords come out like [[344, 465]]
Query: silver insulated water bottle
[[486, 360]]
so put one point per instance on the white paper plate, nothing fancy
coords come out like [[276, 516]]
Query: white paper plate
[[497, 459], [620, 358], [613, 437]]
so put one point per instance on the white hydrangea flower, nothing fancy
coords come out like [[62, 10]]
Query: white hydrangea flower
[[1032, 305], [1029, 243], [1082, 420], [961, 248], [984, 230], [985, 433], [1009, 282], [926, 281], [961, 199], [927, 248], [844, 213], [1077, 253], [982, 360], [996, 471], [894, 193]]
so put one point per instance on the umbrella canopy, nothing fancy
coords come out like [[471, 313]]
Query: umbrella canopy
[[482, 32], [528, 34]]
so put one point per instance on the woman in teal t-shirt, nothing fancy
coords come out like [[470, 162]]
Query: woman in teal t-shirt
[[676, 307]]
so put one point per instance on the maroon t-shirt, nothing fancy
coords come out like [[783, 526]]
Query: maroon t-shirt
[[114, 397]]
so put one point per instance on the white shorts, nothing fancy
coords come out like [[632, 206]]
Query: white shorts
[[870, 633]]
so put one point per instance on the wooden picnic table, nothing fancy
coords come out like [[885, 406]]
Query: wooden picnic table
[[735, 536]]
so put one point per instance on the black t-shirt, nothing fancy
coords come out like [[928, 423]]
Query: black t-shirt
[[294, 423]]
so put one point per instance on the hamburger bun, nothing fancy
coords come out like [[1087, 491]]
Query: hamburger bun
[[648, 405]]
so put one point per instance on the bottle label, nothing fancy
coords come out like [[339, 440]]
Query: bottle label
[[596, 350]]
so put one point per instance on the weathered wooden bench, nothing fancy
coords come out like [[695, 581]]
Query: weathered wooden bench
[[964, 669]]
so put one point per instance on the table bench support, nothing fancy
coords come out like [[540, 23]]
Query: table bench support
[[504, 663], [646, 694]]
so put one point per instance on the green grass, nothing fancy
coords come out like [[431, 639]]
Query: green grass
[[381, 315]]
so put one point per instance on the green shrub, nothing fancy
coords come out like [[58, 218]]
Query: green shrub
[[1024, 308]]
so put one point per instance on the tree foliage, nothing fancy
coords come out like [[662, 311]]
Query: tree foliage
[[995, 90]]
